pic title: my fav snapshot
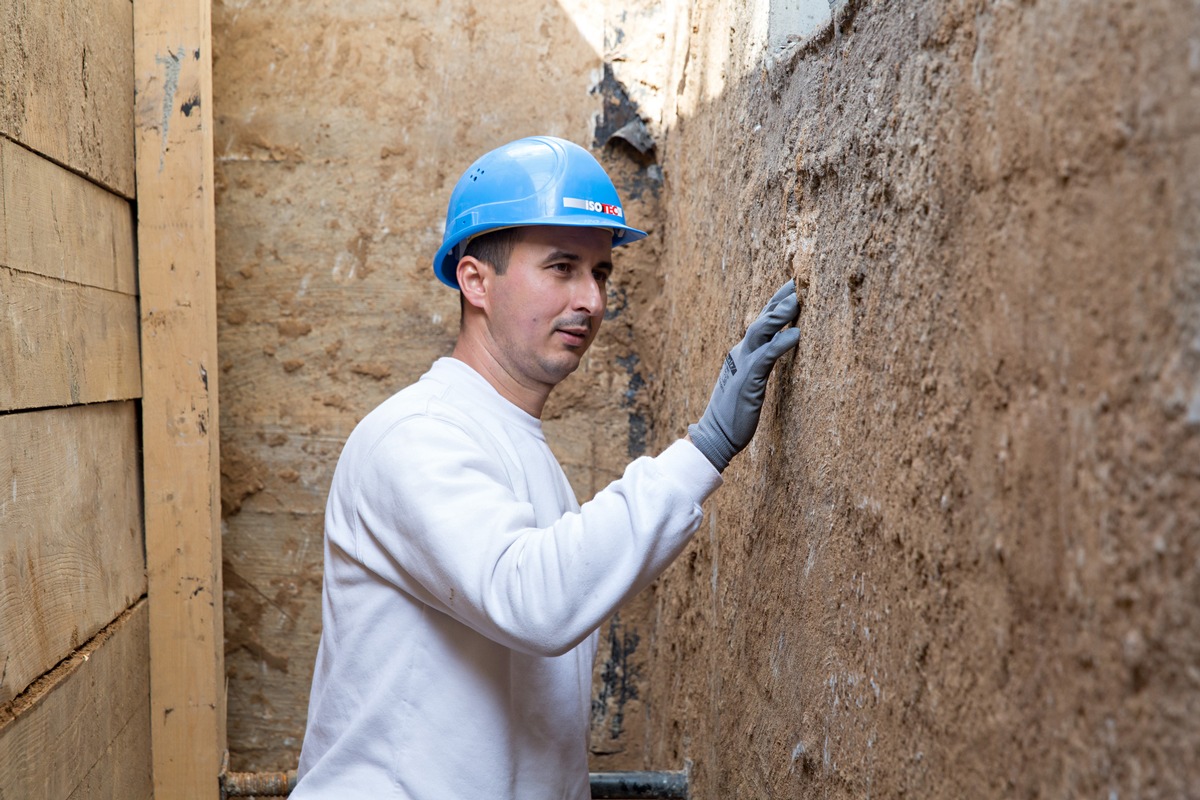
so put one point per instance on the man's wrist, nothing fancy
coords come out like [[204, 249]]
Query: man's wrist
[[706, 443], [690, 468]]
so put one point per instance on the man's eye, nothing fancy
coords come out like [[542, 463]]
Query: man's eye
[[561, 267], [600, 276]]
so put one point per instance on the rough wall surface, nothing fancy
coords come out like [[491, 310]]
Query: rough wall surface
[[962, 557], [341, 130]]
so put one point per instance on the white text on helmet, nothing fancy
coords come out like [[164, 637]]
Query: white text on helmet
[[592, 205]]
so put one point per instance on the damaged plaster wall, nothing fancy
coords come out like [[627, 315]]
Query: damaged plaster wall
[[962, 556], [340, 132]]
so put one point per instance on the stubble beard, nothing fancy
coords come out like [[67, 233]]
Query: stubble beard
[[558, 369]]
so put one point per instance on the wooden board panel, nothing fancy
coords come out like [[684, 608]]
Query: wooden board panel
[[67, 72], [177, 279], [63, 343], [57, 224], [71, 555], [123, 772], [83, 725]]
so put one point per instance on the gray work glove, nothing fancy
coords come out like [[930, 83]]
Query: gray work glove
[[731, 418]]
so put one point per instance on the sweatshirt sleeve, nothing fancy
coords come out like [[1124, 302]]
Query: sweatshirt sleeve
[[435, 515]]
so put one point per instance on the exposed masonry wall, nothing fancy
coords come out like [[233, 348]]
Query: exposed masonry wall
[[961, 557]]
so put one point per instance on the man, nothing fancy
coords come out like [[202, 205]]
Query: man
[[463, 583]]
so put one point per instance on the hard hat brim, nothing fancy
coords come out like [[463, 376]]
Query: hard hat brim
[[445, 264]]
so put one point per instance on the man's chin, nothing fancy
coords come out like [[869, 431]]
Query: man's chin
[[557, 370]]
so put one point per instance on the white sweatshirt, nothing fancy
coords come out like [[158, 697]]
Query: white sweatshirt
[[462, 590]]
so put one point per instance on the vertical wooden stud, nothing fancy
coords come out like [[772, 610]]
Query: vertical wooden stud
[[177, 276]]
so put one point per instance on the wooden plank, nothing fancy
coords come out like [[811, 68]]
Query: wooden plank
[[63, 343], [57, 224], [124, 770], [71, 554], [67, 72], [177, 277], [83, 724]]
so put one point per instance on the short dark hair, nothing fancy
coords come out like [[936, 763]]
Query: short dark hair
[[494, 247]]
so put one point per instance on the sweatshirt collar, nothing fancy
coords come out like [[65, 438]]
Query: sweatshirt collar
[[461, 377]]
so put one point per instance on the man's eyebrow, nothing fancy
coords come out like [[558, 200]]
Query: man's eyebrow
[[562, 255], [566, 255]]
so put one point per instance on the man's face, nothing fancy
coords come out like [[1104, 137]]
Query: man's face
[[546, 308]]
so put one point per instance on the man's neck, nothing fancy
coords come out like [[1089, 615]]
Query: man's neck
[[530, 399]]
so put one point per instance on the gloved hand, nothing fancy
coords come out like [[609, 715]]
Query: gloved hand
[[732, 415]]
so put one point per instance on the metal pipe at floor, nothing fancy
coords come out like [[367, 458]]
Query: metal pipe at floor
[[607, 785], [639, 785]]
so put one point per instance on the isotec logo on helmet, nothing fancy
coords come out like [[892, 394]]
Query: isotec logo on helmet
[[592, 205]]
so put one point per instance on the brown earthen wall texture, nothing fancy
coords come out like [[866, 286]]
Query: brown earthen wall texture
[[962, 556], [341, 129]]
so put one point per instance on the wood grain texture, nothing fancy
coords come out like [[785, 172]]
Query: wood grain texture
[[82, 730], [124, 769], [67, 78], [177, 277], [57, 224], [71, 554], [64, 343]]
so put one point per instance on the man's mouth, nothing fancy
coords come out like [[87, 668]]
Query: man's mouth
[[575, 331], [575, 335]]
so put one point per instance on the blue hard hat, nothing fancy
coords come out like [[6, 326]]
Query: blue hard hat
[[541, 180]]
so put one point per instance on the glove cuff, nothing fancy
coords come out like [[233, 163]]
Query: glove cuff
[[708, 444]]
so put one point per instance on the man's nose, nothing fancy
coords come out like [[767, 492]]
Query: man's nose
[[590, 296]]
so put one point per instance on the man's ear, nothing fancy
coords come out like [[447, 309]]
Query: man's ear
[[474, 278]]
